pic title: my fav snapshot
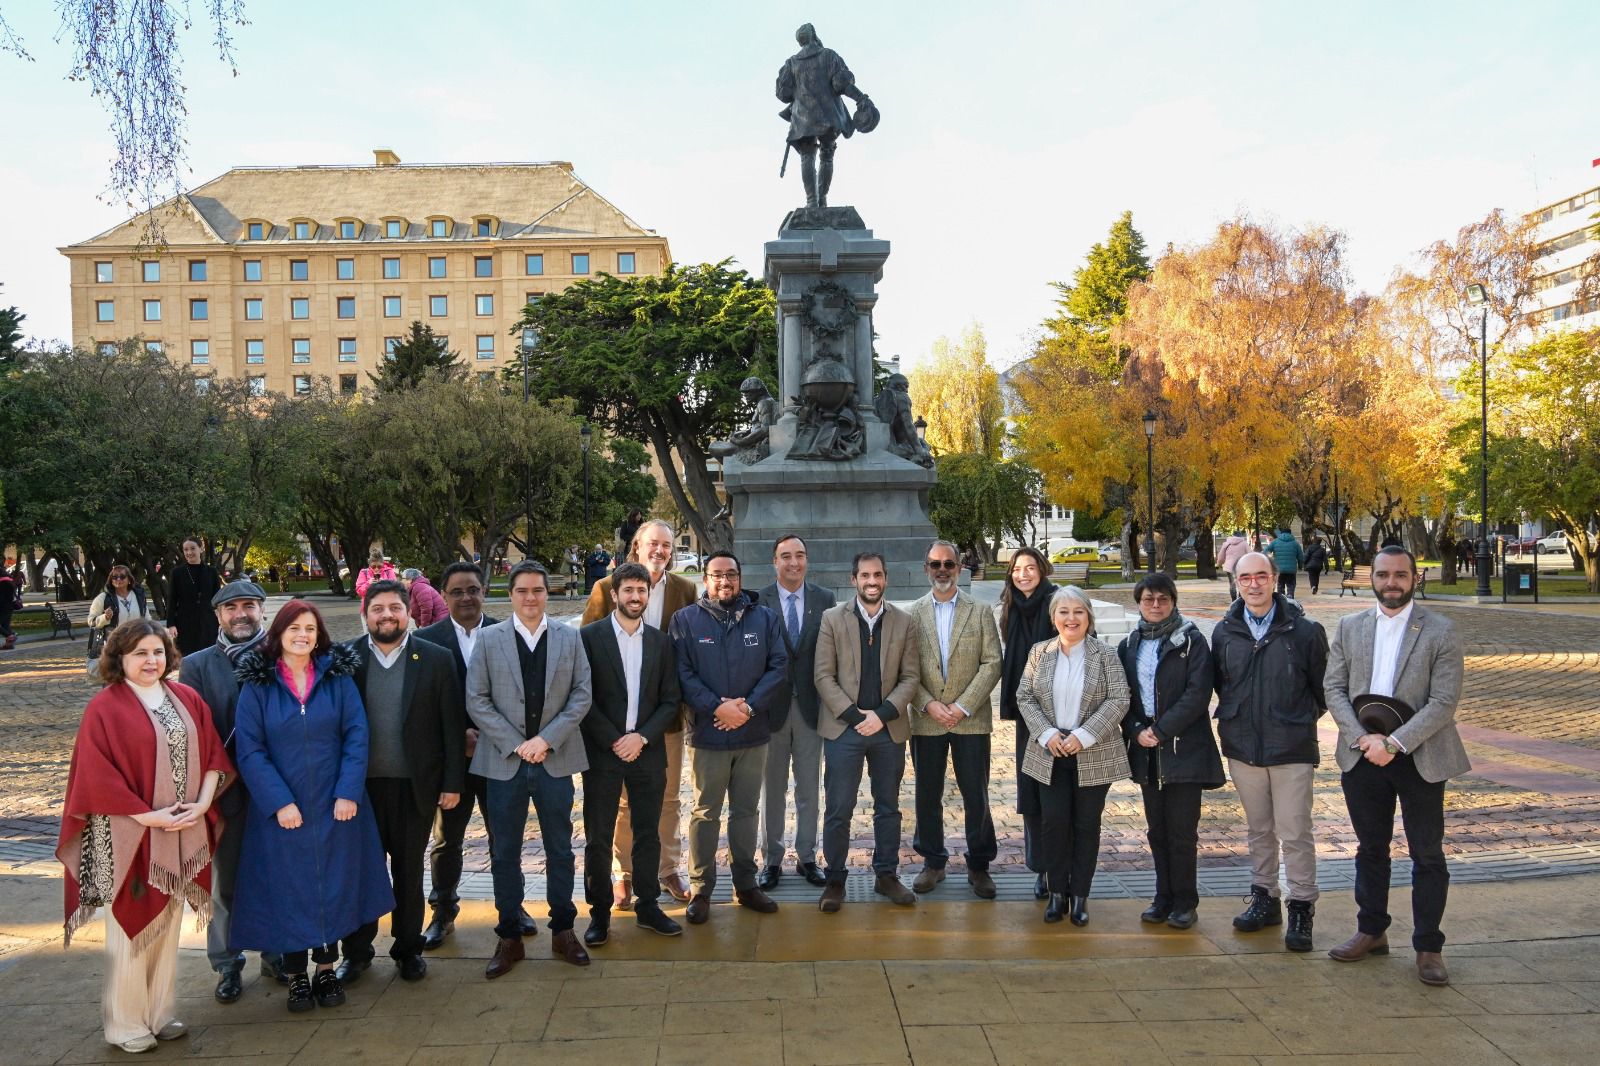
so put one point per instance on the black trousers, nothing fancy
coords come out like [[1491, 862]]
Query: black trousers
[[323, 954], [1370, 793], [1286, 584], [1172, 825], [969, 753], [1315, 577], [1028, 804], [646, 781], [404, 833], [1069, 839], [449, 836]]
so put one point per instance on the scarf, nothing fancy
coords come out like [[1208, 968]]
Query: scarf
[[1160, 630], [1027, 623], [233, 651]]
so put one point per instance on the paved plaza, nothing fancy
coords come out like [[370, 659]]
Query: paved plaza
[[956, 979]]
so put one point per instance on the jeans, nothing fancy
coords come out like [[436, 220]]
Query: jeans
[[507, 815], [799, 744], [969, 752], [884, 760], [731, 777], [1370, 793]]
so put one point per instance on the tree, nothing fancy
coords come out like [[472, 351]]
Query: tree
[[273, 549], [958, 393], [978, 500], [420, 355], [10, 334], [658, 359]]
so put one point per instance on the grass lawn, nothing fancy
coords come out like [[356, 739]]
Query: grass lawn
[[1551, 587]]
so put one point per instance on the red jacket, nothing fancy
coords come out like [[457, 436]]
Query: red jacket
[[427, 606]]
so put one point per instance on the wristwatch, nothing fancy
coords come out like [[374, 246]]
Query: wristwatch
[[1390, 746]]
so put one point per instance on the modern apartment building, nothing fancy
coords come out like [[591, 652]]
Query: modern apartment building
[[1568, 235], [283, 274]]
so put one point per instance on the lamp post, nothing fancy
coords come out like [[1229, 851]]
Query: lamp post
[[583, 442], [1338, 527], [1255, 530], [1479, 298], [1150, 489], [529, 340], [921, 425]]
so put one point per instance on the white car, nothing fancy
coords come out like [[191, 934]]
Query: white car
[[1552, 544], [1111, 553], [686, 562]]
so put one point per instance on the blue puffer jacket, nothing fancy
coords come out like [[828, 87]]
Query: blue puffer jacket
[[728, 653], [1286, 552]]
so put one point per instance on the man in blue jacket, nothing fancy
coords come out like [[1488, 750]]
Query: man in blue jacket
[[732, 666], [1287, 556]]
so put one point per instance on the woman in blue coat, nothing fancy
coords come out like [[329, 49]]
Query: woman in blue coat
[[311, 866]]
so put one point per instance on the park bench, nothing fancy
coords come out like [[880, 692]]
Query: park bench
[[1072, 573], [59, 618], [1359, 579]]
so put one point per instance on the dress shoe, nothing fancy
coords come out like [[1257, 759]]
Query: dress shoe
[[1182, 919], [699, 908], [1298, 936], [653, 919], [756, 900], [832, 897], [230, 986], [928, 879], [328, 989], [526, 925], [350, 971], [1056, 908], [138, 1044], [1156, 913], [1040, 889], [413, 968], [767, 879], [1078, 910], [273, 968], [442, 926], [676, 887], [982, 884], [1430, 969], [172, 1030], [598, 933], [1360, 946], [299, 998], [507, 954], [889, 885], [565, 947], [622, 893], [812, 873]]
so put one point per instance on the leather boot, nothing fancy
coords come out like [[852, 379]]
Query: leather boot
[[507, 954], [1078, 909], [1360, 946], [832, 897], [1056, 908], [443, 924], [1263, 911], [1298, 936], [1430, 968]]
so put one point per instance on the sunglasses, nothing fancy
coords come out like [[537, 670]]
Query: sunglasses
[[942, 564]]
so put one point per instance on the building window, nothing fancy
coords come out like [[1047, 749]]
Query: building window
[[486, 346], [255, 352], [347, 384], [202, 386], [300, 350], [485, 304], [199, 310], [483, 266], [199, 352], [299, 270], [152, 310], [391, 307], [104, 273], [252, 309], [486, 227], [533, 264], [389, 345], [345, 269], [624, 262], [438, 306], [347, 349], [349, 230], [252, 270], [394, 228], [105, 310], [153, 348], [391, 267], [300, 307], [435, 266], [580, 262], [256, 231], [106, 348], [256, 384], [302, 385], [346, 307], [150, 270], [302, 231], [439, 227], [197, 270], [534, 297]]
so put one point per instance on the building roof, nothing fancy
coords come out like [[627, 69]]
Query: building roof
[[526, 200]]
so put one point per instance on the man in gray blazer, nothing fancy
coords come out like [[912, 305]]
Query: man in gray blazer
[[799, 605], [527, 691], [1407, 652]]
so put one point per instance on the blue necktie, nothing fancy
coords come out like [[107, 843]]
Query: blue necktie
[[791, 618]]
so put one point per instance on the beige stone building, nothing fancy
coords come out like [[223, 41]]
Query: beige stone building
[[284, 274]]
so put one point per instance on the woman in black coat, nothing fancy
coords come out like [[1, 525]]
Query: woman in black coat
[[190, 616], [1171, 749], [1315, 562], [1023, 614]]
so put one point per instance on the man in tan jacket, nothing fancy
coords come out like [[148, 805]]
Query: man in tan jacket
[[867, 673], [958, 647]]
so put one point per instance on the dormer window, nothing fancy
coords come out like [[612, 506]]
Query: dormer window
[[256, 229], [303, 229], [394, 228], [440, 226], [349, 228], [485, 226]]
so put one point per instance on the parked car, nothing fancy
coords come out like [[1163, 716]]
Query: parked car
[[686, 562], [1552, 544], [1067, 550], [1111, 553]]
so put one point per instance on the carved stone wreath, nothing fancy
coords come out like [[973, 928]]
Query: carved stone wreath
[[831, 310]]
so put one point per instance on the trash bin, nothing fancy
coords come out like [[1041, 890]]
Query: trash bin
[[1521, 579]]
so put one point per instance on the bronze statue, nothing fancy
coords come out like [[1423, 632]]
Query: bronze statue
[[893, 408], [751, 445], [812, 83], [829, 426]]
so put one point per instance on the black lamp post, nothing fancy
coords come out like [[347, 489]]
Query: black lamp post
[[529, 340], [583, 440], [1479, 298], [1338, 527], [1150, 488], [921, 425]]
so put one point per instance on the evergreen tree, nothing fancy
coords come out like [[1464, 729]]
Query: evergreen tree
[[1096, 301], [420, 355]]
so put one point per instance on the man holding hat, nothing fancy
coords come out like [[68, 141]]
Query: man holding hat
[[240, 627], [1393, 681]]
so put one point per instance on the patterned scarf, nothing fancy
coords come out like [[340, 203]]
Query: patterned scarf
[[233, 651]]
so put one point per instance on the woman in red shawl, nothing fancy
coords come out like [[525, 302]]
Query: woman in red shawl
[[138, 827]]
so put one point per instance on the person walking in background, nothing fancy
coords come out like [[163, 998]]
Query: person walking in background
[[1232, 549], [10, 600], [190, 616], [1024, 618], [138, 826], [626, 531], [1315, 562], [118, 602], [377, 569], [1287, 555], [426, 605], [595, 566]]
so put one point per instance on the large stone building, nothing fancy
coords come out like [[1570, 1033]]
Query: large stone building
[[284, 274]]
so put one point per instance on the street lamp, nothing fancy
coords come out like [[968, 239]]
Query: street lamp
[[583, 442], [1338, 529], [1479, 298], [1150, 488], [921, 425]]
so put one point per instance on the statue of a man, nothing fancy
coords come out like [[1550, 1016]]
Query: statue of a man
[[751, 444], [893, 408], [812, 83]]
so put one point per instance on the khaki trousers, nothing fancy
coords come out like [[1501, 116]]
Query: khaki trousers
[[1277, 814], [671, 816], [140, 990]]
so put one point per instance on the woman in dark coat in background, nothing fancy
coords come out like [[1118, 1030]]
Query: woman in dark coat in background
[[190, 616]]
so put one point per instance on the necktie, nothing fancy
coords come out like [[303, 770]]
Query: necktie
[[791, 617]]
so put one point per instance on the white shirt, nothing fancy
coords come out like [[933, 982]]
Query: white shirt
[[1387, 635], [531, 639], [149, 695], [387, 659], [872, 620], [656, 606], [631, 645], [1067, 695], [799, 598], [467, 639]]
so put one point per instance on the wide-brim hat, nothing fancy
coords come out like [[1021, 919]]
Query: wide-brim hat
[[1382, 714]]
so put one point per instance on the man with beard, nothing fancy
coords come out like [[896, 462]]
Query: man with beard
[[732, 665], [635, 677], [416, 724], [1411, 655], [867, 674], [238, 609]]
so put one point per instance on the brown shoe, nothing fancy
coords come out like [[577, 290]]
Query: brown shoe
[[622, 893], [507, 954], [1360, 946], [756, 900], [699, 908], [982, 884], [566, 947], [889, 885], [927, 880], [1430, 968], [676, 887], [832, 897]]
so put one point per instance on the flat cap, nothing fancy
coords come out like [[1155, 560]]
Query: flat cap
[[242, 589]]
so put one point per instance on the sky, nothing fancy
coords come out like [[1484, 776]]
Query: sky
[[1012, 135]]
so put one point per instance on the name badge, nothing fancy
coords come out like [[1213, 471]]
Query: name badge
[[707, 640], [752, 640]]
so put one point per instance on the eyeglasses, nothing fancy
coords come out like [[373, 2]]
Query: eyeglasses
[[1252, 579], [722, 575], [1156, 601], [942, 564]]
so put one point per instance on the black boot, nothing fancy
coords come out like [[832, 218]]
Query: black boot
[[1078, 909], [1298, 936], [808, 178], [299, 999], [1040, 891], [1056, 909], [1262, 912]]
